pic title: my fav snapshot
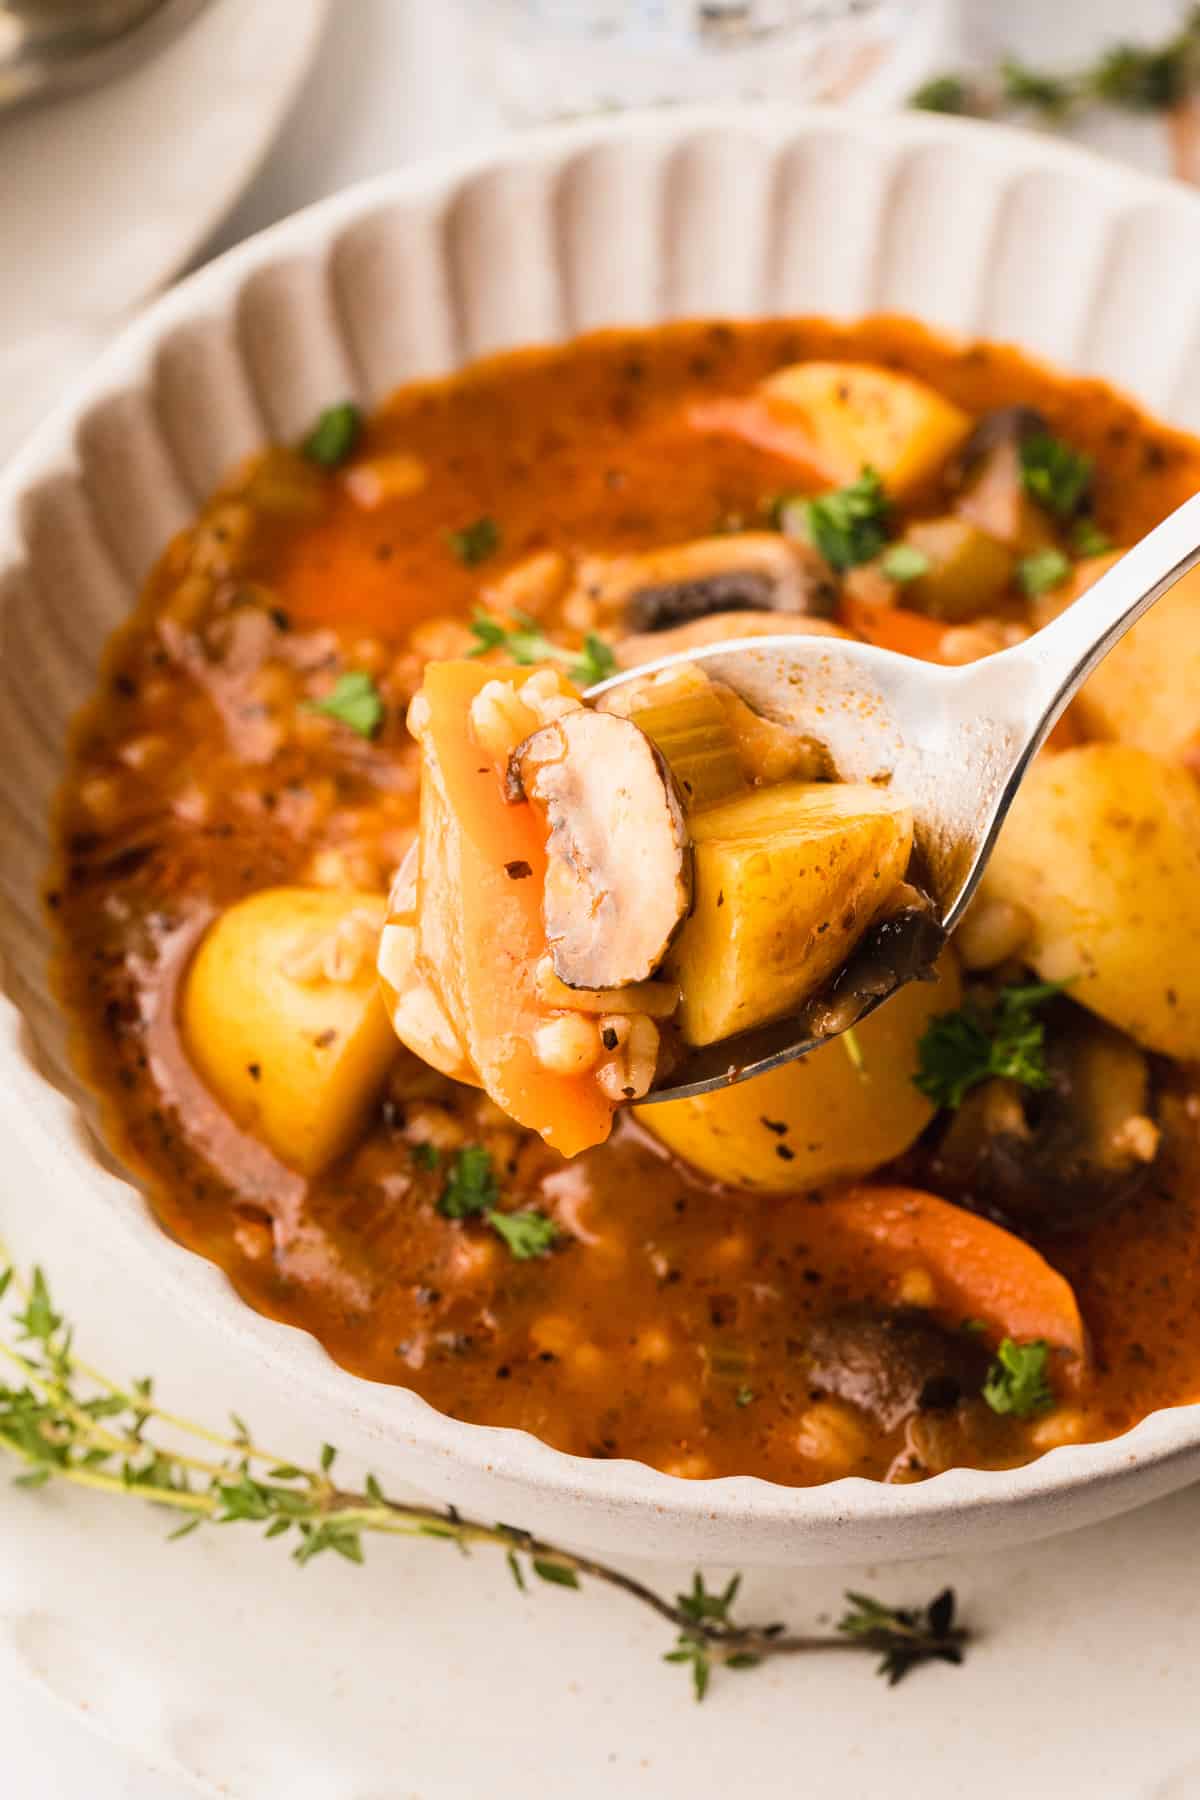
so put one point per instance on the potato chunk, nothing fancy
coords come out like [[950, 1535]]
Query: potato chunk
[[1147, 689], [821, 1117], [968, 571], [283, 1018], [854, 414], [786, 880], [1102, 849]]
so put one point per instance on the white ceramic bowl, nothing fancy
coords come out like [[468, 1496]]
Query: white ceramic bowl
[[973, 229]]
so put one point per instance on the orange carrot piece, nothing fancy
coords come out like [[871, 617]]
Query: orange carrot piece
[[979, 1270], [893, 628], [499, 925], [755, 423]]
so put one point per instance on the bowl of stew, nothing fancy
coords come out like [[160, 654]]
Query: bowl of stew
[[501, 425]]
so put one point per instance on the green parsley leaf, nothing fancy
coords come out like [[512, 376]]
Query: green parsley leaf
[[944, 94], [1051, 95], [1087, 539], [527, 1234], [850, 525], [355, 701], [475, 542], [471, 1188], [334, 436], [526, 643], [1044, 570], [1056, 476], [1017, 1381], [596, 662], [961, 1049], [426, 1156], [904, 562]]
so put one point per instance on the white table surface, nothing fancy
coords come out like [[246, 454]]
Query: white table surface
[[1087, 1682]]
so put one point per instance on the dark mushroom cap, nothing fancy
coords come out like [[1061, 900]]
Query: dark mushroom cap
[[751, 572], [619, 866], [1060, 1158], [894, 1362], [1004, 428]]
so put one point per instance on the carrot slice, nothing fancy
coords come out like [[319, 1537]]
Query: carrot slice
[[893, 628], [481, 930], [754, 422], [979, 1270]]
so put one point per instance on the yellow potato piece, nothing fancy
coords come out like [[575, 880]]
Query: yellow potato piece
[[1147, 689], [1102, 849], [837, 1121], [786, 881], [968, 570], [855, 414], [295, 1055]]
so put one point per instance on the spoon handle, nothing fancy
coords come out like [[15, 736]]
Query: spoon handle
[[1054, 664]]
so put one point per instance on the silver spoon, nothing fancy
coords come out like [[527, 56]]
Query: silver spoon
[[954, 743], [54, 47]]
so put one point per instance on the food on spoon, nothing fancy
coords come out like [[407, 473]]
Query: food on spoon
[[1102, 847], [282, 1016], [618, 862], [787, 881], [837, 1112]]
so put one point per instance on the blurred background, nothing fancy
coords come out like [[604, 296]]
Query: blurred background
[[138, 137]]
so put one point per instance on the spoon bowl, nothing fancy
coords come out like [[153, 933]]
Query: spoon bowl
[[953, 743]]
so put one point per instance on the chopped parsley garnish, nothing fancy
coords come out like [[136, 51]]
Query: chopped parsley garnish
[[334, 436], [354, 701], [744, 1396], [850, 525], [1087, 539], [527, 1234], [526, 643], [426, 1156], [475, 542], [1006, 1041], [1056, 476], [1044, 570], [904, 562], [471, 1186], [471, 1192], [1017, 1382]]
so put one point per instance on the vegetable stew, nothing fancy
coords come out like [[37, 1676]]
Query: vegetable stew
[[963, 1234]]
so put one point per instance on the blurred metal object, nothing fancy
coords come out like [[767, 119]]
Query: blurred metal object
[[54, 47]]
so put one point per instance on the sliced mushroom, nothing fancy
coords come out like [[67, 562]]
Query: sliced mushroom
[[750, 571], [893, 1363], [987, 474], [903, 946], [1058, 1158], [618, 878]]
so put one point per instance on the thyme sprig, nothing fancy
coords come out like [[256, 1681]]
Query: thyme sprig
[[1141, 78], [63, 1420]]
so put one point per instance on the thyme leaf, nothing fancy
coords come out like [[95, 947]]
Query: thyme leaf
[[60, 1419]]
